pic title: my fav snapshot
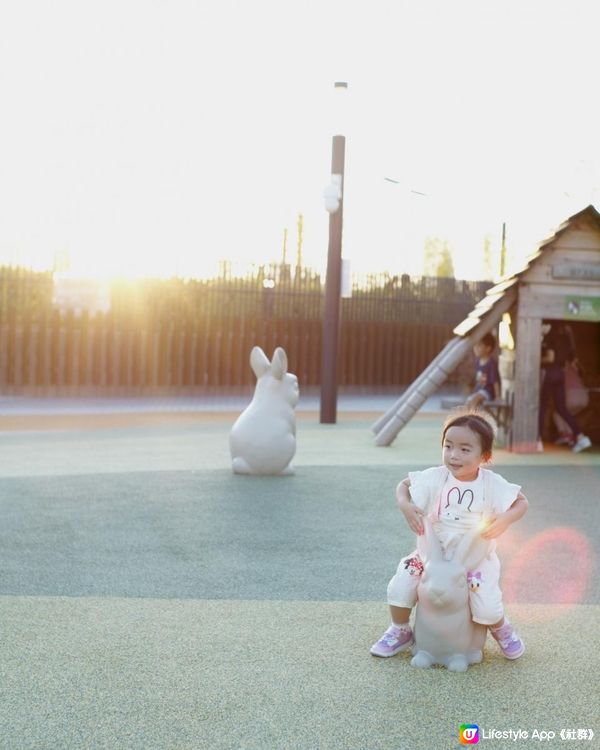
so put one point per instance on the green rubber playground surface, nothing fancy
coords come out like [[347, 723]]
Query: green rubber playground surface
[[149, 598]]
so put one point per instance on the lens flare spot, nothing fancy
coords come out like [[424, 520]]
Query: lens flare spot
[[554, 567]]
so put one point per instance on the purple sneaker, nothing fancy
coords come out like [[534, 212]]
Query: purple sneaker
[[395, 639], [510, 644]]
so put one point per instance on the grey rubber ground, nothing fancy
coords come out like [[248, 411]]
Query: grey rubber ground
[[151, 599]]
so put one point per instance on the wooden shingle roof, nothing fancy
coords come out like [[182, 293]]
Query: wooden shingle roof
[[485, 307]]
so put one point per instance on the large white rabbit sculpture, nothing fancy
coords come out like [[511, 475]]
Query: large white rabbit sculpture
[[263, 438], [444, 631]]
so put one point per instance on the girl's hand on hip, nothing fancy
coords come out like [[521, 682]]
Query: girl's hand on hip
[[414, 518]]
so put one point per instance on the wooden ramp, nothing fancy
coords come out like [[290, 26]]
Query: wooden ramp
[[482, 319]]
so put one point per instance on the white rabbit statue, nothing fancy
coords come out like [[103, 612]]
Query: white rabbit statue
[[444, 631], [263, 438]]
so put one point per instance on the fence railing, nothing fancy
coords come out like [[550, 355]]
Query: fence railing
[[181, 336]]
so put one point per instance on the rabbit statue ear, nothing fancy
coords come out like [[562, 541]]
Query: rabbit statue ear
[[430, 547], [471, 549], [279, 363], [422, 546], [259, 362]]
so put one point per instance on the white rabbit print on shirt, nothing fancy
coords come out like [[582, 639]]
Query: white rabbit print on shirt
[[460, 496], [462, 503]]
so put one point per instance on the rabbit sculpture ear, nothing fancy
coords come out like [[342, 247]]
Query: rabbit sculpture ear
[[471, 550], [279, 363], [259, 362], [428, 545]]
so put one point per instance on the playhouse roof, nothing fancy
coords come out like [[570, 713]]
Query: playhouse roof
[[488, 305], [484, 316]]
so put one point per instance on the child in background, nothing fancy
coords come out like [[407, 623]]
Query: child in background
[[487, 377], [458, 496]]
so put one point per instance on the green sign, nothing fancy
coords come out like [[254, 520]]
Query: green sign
[[582, 308]]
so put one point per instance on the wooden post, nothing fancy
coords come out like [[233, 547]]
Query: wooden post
[[331, 316], [155, 359], [117, 342], [103, 357], [61, 370], [193, 355], [144, 378], [33, 345], [130, 343], [181, 340], [18, 358], [90, 339], [168, 361], [47, 354], [4, 330], [503, 251], [75, 356], [527, 385]]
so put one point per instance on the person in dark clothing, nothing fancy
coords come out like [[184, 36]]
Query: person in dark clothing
[[558, 348]]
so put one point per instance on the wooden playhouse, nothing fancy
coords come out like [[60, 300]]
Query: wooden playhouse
[[560, 281]]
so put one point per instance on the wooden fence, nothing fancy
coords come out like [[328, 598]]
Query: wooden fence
[[189, 338], [68, 355]]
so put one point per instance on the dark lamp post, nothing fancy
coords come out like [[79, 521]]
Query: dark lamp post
[[334, 203]]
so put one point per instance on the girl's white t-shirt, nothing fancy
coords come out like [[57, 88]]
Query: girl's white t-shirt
[[460, 506]]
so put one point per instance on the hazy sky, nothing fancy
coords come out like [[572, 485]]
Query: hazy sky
[[160, 136]]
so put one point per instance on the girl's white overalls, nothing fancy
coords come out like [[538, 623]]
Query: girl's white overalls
[[485, 596]]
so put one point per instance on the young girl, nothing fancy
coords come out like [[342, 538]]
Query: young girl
[[457, 496]]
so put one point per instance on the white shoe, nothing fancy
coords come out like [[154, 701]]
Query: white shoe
[[582, 444], [539, 446]]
